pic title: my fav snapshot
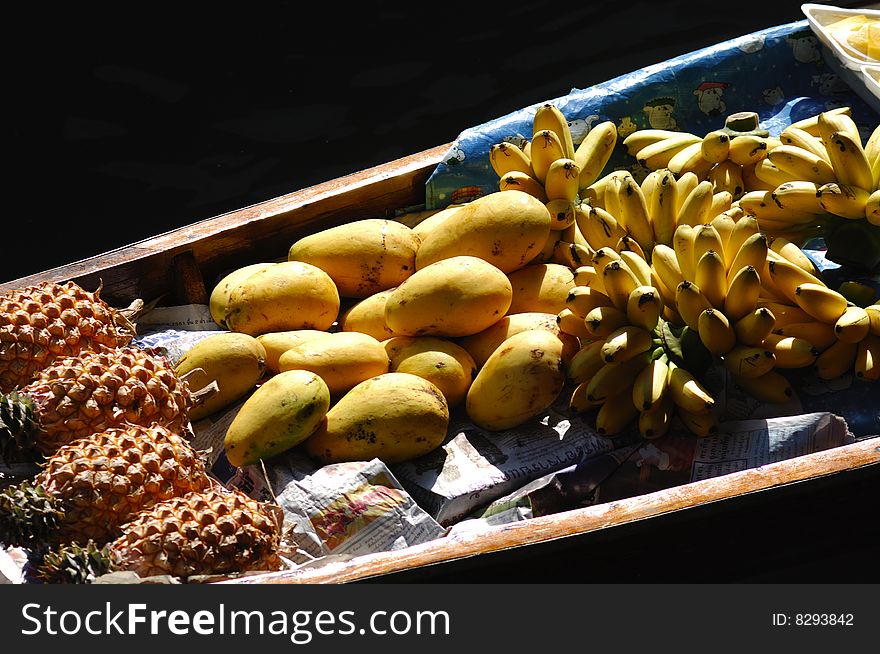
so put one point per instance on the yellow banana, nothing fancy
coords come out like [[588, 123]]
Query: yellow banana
[[747, 149], [711, 278], [649, 183], [853, 325], [662, 207], [519, 181], [690, 303], [507, 157], [746, 361], [549, 117], [637, 266], [754, 327], [867, 363], [665, 263], [830, 124], [546, 253], [721, 201], [844, 200], [798, 196], [601, 321], [858, 293], [701, 425], [599, 227], [629, 244], [751, 181], [602, 257], [802, 164], [685, 183], [649, 388], [787, 277], [583, 299], [644, 307], [695, 208], [875, 172], [644, 137], [819, 301], [616, 378], [634, 213], [715, 146], [872, 145], [619, 282], [745, 226], [687, 392], [752, 252], [569, 254], [715, 332], [836, 360], [573, 324], [561, 180], [657, 155], [626, 342], [724, 225], [874, 318], [572, 234], [742, 293], [764, 208], [585, 363], [706, 237], [588, 276], [594, 151], [872, 207], [811, 124], [790, 251], [792, 351], [615, 415], [562, 214], [690, 160], [803, 139], [771, 387], [654, 424], [819, 334], [766, 171], [727, 176], [546, 148], [683, 245], [578, 403]]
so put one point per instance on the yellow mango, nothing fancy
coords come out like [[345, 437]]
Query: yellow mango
[[452, 297], [362, 257], [277, 343], [434, 221], [286, 296], [342, 360], [519, 381], [443, 363], [235, 361], [482, 344], [540, 287], [279, 415], [505, 228], [220, 293], [394, 417], [368, 316]]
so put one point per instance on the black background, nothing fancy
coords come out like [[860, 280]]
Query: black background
[[130, 119]]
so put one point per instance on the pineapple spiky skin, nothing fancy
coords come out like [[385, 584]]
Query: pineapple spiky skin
[[42, 323], [214, 532], [88, 393], [90, 487]]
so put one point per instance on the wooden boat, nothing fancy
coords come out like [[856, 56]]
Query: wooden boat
[[606, 542]]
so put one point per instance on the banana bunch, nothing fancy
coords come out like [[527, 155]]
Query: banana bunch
[[623, 369], [550, 166]]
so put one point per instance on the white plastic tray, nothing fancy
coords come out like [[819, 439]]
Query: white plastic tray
[[820, 16]]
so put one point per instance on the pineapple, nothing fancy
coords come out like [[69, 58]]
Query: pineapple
[[85, 394], [213, 532], [41, 323], [90, 487]]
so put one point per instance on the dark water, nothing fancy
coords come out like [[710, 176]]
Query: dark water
[[132, 119]]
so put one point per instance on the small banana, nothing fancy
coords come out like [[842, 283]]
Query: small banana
[[745, 226], [588, 276], [715, 332], [751, 181], [836, 360], [644, 137], [662, 208], [685, 183], [769, 173], [507, 157], [695, 208], [691, 303], [742, 293], [792, 253], [626, 342], [874, 318], [649, 388], [811, 124], [727, 176], [724, 225], [819, 334], [585, 363], [748, 361], [665, 263], [615, 415], [601, 321], [800, 196], [792, 351], [867, 363], [710, 276], [715, 146], [578, 403], [803, 139], [819, 301], [747, 149], [687, 392], [771, 387], [619, 283], [571, 233], [583, 299], [706, 237], [872, 208], [801, 164], [690, 160], [602, 257], [872, 145], [784, 314], [844, 200], [549, 117], [562, 215], [573, 324], [599, 227], [519, 181], [561, 180], [594, 151], [787, 277], [853, 325], [644, 307], [754, 327], [546, 148], [640, 268], [721, 201], [649, 183], [683, 245], [654, 424], [701, 425], [830, 124], [634, 213], [629, 244], [615, 378], [546, 253], [657, 155]]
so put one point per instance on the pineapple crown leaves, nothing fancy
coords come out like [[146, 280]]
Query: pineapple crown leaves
[[72, 564], [17, 427], [29, 517]]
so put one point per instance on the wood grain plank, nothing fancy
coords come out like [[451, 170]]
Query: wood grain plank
[[580, 521]]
